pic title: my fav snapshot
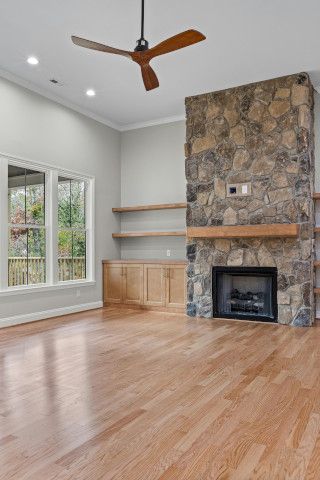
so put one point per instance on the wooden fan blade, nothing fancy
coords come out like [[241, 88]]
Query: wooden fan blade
[[184, 39], [150, 79], [82, 42]]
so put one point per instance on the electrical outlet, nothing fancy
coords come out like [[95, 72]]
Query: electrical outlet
[[78, 293], [168, 253], [239, 189]]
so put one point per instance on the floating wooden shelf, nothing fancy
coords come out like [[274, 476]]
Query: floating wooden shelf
[[316, 196], [176, 233], [245, 231], [316, 290], [316, 263], [317, 229], [143, 208]]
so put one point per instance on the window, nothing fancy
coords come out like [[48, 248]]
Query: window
[[46, 227], [26, 218], [72, 229]]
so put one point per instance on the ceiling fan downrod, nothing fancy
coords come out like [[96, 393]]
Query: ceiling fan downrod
[[142, 43]]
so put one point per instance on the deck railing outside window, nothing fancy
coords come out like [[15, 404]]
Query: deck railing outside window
[[21, 268]]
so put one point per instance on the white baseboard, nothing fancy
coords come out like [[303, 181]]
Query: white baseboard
[[56, 312]]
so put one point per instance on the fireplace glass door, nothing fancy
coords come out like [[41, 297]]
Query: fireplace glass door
[[245, 292]]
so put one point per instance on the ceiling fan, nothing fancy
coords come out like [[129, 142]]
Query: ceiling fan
[[142, 54]]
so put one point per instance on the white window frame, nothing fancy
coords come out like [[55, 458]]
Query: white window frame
[[51, 225]]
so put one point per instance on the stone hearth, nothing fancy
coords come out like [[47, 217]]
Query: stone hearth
[[261, 135]]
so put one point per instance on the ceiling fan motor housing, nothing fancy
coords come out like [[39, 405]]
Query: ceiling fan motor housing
[[142, 45]]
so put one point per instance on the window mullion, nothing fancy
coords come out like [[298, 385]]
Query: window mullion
[[52, 226], [89, 228], [3, 224], [27, 225]]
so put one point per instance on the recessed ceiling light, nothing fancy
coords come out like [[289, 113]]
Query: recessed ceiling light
[[90, 92], [33, 61]]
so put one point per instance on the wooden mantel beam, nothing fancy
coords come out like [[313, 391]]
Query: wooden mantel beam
[[245, 231]]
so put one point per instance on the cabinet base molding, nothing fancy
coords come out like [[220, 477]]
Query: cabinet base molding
[[145, 307]]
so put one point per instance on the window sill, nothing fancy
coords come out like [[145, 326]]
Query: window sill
[[46, 288]]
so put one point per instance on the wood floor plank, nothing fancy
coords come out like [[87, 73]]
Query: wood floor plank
[[133, 395]]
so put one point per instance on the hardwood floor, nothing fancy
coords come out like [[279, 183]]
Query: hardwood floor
[[134, 395]]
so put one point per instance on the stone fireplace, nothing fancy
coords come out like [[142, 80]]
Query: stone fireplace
[[249, 162]]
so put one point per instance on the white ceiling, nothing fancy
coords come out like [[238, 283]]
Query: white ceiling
[[247, 41]]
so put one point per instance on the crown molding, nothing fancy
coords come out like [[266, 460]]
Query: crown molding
[[55, 98], [152, 123], [61, 101]]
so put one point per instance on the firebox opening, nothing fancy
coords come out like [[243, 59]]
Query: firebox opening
[[248, 293]]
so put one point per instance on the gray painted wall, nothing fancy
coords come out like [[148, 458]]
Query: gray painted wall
[[152, 171], [38, 129]]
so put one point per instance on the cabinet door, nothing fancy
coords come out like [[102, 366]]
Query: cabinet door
[[153, 285], [175, 286], [133, 284], [112, 281]]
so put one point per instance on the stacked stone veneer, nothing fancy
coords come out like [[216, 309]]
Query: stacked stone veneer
[[260, 133]]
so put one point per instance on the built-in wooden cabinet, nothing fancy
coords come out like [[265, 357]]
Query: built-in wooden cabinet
[[132, 284], [175, 286], [123, 283], [155, 285], [112, 280]]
